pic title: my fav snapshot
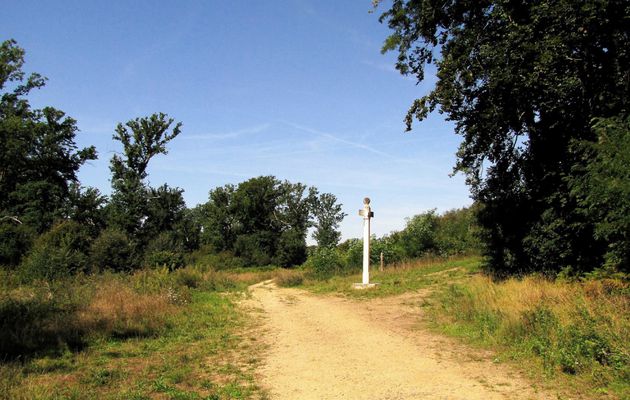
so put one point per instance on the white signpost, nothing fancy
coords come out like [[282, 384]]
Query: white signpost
[[367, 214]]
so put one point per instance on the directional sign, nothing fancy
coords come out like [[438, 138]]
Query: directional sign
[[362, 213]]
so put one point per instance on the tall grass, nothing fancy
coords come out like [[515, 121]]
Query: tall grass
[[578, 329]]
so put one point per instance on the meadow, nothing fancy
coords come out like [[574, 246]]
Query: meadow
[[150, 334]]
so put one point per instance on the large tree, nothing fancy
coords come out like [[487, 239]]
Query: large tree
[[142, 139], [265, 220], [39, 158], [522, 80], [328, 215]]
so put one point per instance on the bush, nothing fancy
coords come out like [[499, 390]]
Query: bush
[[33, 319], [15, 241], [165, 258], [456, 233], [291, 249], [325, 262], [255, 249], [418, 237], [353, 254], [60, 252], [188, 277], [112, 250], [286, 278], [218, 261]]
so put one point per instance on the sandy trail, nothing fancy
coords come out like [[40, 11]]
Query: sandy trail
[[323, 347]]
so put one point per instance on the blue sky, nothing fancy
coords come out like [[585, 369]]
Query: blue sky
[[297, 89]]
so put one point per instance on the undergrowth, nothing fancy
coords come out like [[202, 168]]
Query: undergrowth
[[577, 332], [150, 334]]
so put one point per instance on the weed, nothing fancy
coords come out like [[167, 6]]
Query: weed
[[290, 278], [573, 329]]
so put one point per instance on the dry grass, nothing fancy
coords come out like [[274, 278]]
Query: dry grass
[[578, 331], [289, 278], [117, 310]]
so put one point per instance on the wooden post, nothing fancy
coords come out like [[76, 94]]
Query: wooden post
[[381, 269]]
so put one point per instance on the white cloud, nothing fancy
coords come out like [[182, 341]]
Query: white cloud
[[230, 134]]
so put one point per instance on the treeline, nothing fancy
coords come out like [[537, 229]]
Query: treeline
[[51, 226], [451, 233]]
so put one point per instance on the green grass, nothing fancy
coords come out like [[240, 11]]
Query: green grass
[[206, 353], [574, 335], [399, 278]]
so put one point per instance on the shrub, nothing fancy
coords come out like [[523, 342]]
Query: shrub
[[286, 278], [456, 233], [112, 250], [353, 255], [255, 249], [60, 252], [15, 241], [188, 277], [291, 249], [418, 237], [166, 251], [169, 259], [33, 319], [325, 262]]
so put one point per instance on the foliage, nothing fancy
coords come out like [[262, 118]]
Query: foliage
[[522, 81], [15, 241], [264, 220], [418, 237], [60, 252], [456, 232], [328, 215], [569, 328], [112, 250], [291, 249], [602, 188], [39, 159], [325, 262], [164, 258], [87, 207], [142, 139], [208, 258]]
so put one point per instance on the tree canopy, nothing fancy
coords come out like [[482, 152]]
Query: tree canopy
[[264, 220], [523, 82], [39, 158]]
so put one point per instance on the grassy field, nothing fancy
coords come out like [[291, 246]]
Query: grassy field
[[399, 278], [151, 335], [574, 335], [156, 334]]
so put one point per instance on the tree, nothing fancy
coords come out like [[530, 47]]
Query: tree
[[218, 219], [142, 139], [328, 216], [522, 81], [602, 188], [87, 207], [262, 220], [39, 159], [418, 237]]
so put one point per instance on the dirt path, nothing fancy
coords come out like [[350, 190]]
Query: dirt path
[[333, 348]]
